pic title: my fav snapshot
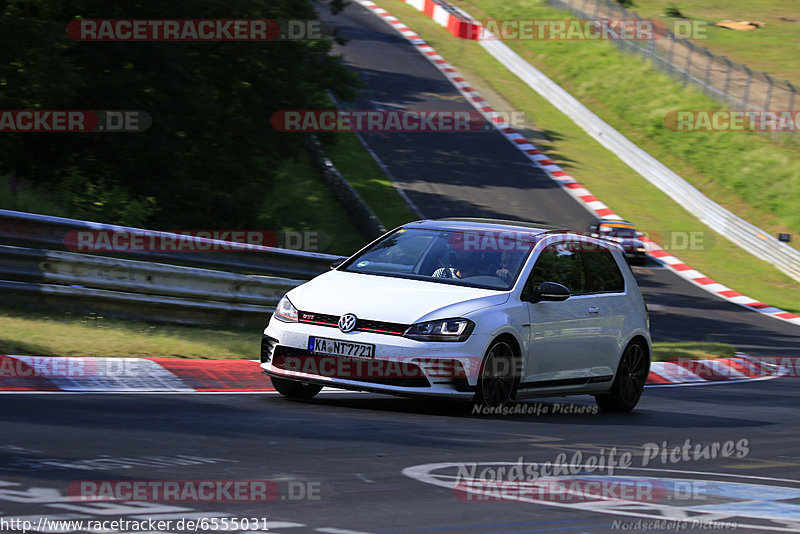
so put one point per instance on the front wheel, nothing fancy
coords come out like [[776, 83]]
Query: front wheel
[[628, 385], [497, 381], [294, 389]]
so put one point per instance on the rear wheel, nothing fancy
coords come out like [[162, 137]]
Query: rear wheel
[[628, 385], [498, 378], [294, 389]]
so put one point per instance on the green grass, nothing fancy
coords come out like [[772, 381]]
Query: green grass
[[367, 178], [603, 173], [39, 333], [691, 350], [750, 173], [300, 201], [65, 334], [771, 48]]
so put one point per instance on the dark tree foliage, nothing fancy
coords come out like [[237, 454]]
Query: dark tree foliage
[[210, 154]]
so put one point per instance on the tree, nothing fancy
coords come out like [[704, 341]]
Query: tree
[[210, 153]]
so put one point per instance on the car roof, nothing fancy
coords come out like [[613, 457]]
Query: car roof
[[464, 223], [615, 221]]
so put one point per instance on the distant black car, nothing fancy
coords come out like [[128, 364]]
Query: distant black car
[[624, 233]]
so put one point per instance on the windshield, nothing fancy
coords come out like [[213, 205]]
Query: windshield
[[488, 259], [626, 232]]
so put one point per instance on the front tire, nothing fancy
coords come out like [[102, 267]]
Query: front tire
[[634, 366], [294, 389], [498, 379]]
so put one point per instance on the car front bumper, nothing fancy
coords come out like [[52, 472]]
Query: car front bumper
[[400, 366]]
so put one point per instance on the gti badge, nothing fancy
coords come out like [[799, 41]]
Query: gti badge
[[347, 322]]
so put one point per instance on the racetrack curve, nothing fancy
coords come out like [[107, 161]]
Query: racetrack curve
[[480, 174], [343, 455]]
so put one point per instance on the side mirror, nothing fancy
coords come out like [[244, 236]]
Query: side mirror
[[550, 291], [337, 262]]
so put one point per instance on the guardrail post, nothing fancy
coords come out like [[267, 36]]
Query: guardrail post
[[769, 91], [747, 86]]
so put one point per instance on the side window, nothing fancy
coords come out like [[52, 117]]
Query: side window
[[601, 270], [559, 263]]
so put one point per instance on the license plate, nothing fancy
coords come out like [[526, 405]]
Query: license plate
[[336, 347]]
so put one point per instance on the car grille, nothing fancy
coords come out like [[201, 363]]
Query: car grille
[[356, 369], [365, 325]]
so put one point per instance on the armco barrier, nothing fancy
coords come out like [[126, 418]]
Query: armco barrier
[[44, 231], [134, 288], [450, 17], [178, 288]]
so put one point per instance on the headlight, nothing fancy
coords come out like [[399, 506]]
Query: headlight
[[442, 330], [285, 311]]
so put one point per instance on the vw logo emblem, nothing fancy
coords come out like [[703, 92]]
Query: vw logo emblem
[[347, 322]]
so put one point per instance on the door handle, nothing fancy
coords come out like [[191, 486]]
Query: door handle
[[594, 309]]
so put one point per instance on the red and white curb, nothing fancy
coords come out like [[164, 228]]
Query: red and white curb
[[446, 14], [175, 375], [131, 375], [740, 367]]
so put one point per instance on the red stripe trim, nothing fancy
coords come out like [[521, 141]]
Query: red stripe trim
[[318, 322], [381, 331]]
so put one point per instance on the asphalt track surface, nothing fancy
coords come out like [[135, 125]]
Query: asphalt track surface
[[349, 450], [481, 174]]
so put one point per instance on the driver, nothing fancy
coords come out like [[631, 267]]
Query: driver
[[462, 265]]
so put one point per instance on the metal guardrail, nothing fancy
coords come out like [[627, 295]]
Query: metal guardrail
[[135, 288], [179, 289], [746, 235], [57, 233]]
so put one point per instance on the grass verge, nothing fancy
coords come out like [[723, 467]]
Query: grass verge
[[690, 350], [750, 173], [300, 201], [604, 174], [363, 173], [771, 48], [38, 333]]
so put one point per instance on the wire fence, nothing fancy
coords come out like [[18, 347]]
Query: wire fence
[[720, 78]]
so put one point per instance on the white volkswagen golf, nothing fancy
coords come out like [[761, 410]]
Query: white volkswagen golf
[[467, 308]]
